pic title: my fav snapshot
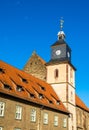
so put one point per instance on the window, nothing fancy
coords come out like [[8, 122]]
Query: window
[[55, 120], [40, 96], [32, 95], [24, 80], [18, 112], [33, 115], [17, 129], [2, 106], [58, 102], [71, 73], [1, 128], [19, 88], [65, 122], [45, 120], [2, 71], [56, 73], [6, 86], [42, 87], [71, 96]]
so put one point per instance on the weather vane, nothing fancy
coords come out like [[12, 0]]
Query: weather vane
[[61, 23]]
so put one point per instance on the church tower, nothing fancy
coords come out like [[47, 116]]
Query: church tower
[[61, 75]]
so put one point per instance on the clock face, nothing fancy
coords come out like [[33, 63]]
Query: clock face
[[58, 52]]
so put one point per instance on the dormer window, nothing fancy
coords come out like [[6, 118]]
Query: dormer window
[[2, 70], [56, 73], [24, 80], [6, 86], [42, 87], [40, 96], [50, 101], [32, 95], [19, 88], [58, 102]]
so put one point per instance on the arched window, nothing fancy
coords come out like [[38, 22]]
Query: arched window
[[71, 73], [56, 73], [71, 96]]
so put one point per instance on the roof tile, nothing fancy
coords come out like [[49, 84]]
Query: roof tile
[[81, 104], [30, 89]]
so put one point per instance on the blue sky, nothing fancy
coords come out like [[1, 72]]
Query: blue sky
[[28, 25]]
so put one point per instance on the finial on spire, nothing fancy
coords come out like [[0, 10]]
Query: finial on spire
[[34, 52], [61, 23], [61, 34]]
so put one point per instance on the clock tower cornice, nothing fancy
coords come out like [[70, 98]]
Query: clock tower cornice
[[56, 62]]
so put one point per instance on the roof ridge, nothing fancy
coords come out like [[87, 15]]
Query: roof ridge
[[40, 58]]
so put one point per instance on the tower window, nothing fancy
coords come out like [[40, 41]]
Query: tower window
[[56, 73], [71, 96], [71, 73]]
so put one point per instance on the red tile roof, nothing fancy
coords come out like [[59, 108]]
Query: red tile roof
[[81, 104], [19, 84]]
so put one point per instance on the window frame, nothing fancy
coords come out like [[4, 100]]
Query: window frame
[[65, 122], [56, 73], [55, 120], [17, 128], [2, 109], [33, 115], [71, 96], [18, 113], [45, 118], [1, 128]]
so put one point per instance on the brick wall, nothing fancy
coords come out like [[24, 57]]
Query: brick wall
[[36, 67], [8, 121], [82, 119]]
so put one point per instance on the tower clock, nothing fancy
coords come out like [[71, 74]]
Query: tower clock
[[60, 51]]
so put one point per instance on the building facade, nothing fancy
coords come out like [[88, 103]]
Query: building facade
[[21, 115], [26, 103]]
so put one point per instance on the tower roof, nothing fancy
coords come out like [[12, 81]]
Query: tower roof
[[59, 42], [61, 35]]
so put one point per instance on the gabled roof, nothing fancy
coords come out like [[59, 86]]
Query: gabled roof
[[34, 54], [80, 103], [34, 65], [19, 84]]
